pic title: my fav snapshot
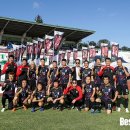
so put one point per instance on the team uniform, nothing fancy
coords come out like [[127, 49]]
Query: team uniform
[[121, 81], [38, 95], [23, 94], [64, 73], [97, 78], [53, 74], [85, 72], [56, 93], [109, 71], [88, 91], [9, 68], [32, 79], [72, 93], [42, 75], [22, 73], [107, 95], [8, 93]]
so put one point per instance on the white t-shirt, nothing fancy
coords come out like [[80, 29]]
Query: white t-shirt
[[77, 73]]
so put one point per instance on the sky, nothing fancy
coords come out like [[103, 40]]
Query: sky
[[109, 18]]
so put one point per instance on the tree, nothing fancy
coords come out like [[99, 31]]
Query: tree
[[38, 19], [92, 43], [103, 41]]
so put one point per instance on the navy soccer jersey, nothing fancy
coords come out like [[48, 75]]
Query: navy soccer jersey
[[85, 72], [42, 74], [64, 74], [121, 78], [24, 93], [39, 94], [97, 78], [88, 90], [9, 88], [56, 92], [32, 74], [53, 74], [107, 92]]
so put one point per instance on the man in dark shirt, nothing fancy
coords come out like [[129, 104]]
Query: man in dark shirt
[[73, 95], [55, 93], [107, 91], [121, 74], [8, 91], [89, 92], [42, 72], [64, 74]]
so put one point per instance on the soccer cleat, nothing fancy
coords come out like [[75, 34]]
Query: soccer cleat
[[41, 109], [3, 109], [119, 109], [126, 110], [14, 109], [33, 110], [78, 108], [92, 110]]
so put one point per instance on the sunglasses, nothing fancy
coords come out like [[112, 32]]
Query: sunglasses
[[74, 82], [77, 63]]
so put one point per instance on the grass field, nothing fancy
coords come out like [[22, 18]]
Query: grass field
[[57, 120]]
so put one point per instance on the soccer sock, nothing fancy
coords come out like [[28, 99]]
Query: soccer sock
[[33, 104], [118, 102], [3, 102], [93, 105], [98, 105], [126, 103]]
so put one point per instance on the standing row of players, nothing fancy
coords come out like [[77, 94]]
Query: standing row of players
[[80, 87]]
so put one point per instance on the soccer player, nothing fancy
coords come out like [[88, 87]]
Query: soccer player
[[32, 76], [22, 96], [89, 92], [76, 72], [9, 67], [42, 72], [107, 91], [53, 73], [86, 71], [8, 92], [38, 97], [121, 74], [56, 95], [95, 70], [107, 70], [22, 71], [64, 74], [73, 95]]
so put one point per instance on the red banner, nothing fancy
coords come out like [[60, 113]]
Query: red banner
[[84, 55], [92, 54], [114, 52], [104, 52]]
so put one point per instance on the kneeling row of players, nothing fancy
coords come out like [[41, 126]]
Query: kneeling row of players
[[88, 96]]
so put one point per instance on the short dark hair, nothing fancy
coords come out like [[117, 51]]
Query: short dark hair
[[11, 56], [120, 59], [24, 80], [108, 59], [54, 61], [56, 81], [86, 61], [77, 59], [64, 60], [24, 60], [97, 59], [42, 59], [106, 76]]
